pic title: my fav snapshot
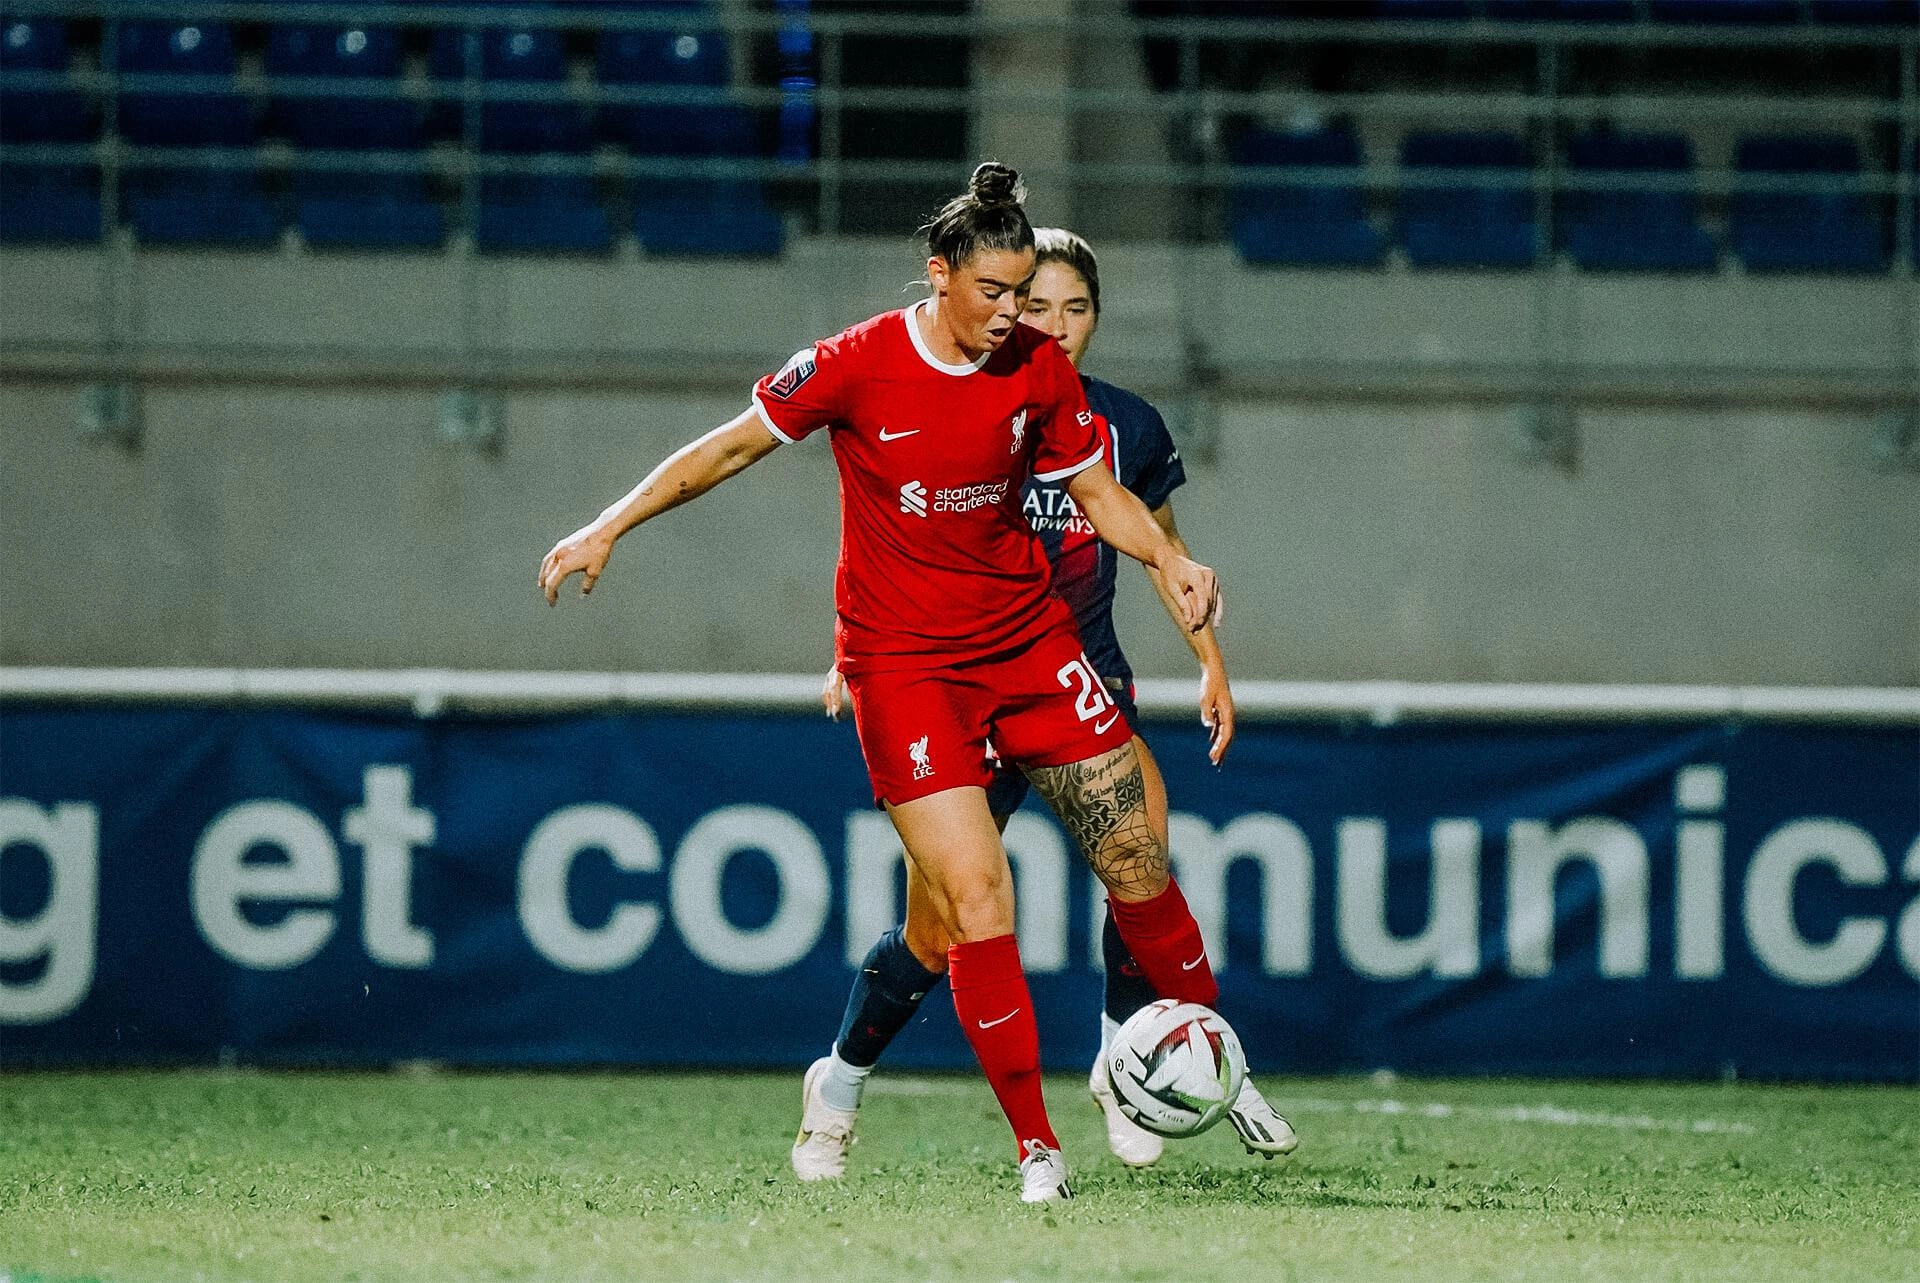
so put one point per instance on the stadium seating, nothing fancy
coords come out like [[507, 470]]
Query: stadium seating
[[198, 205], [360, 208], [1294, 224], [546, 210], [1878, 12], [685, 215], [1425, 10], [1621, 230], [1479, 226], [1705, 11], [42, 202], [1804, 232]]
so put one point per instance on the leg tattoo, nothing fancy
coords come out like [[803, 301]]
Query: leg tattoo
[[1103, 804]]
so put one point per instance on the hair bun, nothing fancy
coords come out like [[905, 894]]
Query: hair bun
[[996, 184]]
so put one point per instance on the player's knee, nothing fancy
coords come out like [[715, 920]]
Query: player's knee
[[1135, 870], [980, 912], [928, 943]]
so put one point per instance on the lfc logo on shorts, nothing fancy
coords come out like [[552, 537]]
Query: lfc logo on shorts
[[917, 750]]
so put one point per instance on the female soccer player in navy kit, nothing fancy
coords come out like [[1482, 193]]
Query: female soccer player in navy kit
[[946, 627], [907, 962]]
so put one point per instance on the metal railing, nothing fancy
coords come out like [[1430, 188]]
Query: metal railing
[[430, 692], [1191, 176]]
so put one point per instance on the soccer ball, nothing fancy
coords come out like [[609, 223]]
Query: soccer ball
[[1175, 1067]]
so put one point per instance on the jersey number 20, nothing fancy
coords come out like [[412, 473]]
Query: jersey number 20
[[1092, 699]]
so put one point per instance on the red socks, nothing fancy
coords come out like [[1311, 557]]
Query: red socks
[[996, 1012], [1165, 940]]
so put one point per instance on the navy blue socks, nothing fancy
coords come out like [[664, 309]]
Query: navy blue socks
[[885, 995]]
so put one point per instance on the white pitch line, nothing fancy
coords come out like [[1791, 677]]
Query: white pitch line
[[920, 1087], [1534, 1115], [1543, 1115]]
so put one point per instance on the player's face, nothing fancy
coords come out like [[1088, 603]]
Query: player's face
[[982, 299], [1061, 304]]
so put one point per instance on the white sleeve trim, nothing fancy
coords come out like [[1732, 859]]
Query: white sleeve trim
[[771, 425], [1082, 466]]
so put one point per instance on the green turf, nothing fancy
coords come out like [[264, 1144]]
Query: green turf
[[131, 1178]]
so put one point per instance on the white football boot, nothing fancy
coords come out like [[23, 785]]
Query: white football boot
[[1131, 1143], [1043, 1174], [826, 1133], [1261, 1128]]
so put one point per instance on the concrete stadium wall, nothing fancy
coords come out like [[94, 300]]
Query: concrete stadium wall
[[315, 518]]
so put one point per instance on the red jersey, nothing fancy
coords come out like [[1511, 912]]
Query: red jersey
[[938, 564]]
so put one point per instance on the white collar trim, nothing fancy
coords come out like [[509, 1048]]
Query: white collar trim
[[911, 317]]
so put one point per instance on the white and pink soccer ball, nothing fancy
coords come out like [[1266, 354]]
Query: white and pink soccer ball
[[1175, 1067]]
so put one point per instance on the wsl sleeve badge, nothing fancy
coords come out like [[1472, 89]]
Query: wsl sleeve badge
[[798, 369]]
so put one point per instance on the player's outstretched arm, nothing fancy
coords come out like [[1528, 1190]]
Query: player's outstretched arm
[[1123, 521], [1216, 694], [687, 473]]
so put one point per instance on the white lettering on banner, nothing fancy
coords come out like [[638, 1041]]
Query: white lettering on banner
[[806, 891], [1449, 945], [546, 863], [223, 878], [389, 827], [1035, 848], [1201, 858], [1038, 851], [1908, 936], [62, 935], [874, 858], [1535, 854], [1771, 929], [1699, 876]]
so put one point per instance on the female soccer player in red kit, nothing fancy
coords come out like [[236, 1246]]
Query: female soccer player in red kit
[[946, 629], [909, 961]]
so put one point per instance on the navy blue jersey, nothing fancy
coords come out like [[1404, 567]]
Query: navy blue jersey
[[1140, 452]]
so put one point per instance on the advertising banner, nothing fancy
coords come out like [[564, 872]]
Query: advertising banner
[[221, 884]]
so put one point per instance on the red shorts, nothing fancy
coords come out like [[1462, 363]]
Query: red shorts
[[924, 730]]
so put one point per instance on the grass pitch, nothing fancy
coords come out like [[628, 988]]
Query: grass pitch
[[290, 1178]]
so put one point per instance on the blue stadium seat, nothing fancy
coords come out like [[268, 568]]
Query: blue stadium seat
[[219, 119], [1878, 12], [354, 208], [42, 203], [1804, 232], [49, 204], [1426, 10], [701, 218], [1635, 230], [51, 115], [685, 216], [527, 212], [319, 51], [1747, 11], [1296, 224], [200, 206], [541, 213], [179, 48], [691, 58], [1594, 10], [1484, 226]]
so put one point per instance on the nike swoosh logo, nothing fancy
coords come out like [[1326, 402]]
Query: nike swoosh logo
[[1189, 966], [988, 1024], [895, 436], [1100, 728]]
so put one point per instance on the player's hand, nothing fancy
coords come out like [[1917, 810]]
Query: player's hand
[[585, 550], [833, 695], [1216, 711], [1196, 590]]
